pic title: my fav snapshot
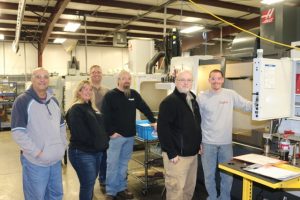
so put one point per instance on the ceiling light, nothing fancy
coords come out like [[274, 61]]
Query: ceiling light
[[192, 29], [1, 36], [191, 19], [223, 39], [59, 40], [269, 2], [209, 43], [71, 26]]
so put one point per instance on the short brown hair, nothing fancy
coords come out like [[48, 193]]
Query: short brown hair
[[95, 66], [216, 71]]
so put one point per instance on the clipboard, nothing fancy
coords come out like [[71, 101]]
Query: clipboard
[[272, 172]]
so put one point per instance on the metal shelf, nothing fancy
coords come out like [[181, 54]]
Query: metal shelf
[[150, 171], [8, 93], [6, 102]]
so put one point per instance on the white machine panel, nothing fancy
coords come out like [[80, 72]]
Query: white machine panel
[[272, 85], [189, 63], [70, 85]]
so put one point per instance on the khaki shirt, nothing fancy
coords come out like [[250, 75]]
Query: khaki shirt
[[99, 94]]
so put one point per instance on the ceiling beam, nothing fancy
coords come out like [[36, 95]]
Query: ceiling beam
[[124, 17], [27, 29], [152, 9], [106, 15], [128, 5], [36, 8], [10, 35], [228, 5], [144, 7], [89, 23], [26, 34], [105, 24], [9, 6], [58, 10], [192, 42], [101, 32], [107, 44], [14, 18]]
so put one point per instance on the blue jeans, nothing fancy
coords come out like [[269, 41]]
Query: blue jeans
[[41, 183], [213, 155], [102, 171], [118, 156], [86, 166]]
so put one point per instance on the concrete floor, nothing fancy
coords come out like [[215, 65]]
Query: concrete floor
[[11, 177]]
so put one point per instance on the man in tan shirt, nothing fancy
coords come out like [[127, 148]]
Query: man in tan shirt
[[99, 91]]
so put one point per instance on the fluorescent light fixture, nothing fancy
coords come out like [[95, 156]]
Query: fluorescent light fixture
[[223, 39], [72, 27], [269, 2], [1, 36], [59, 40], [209, 43], [192, 29], [191, 19]]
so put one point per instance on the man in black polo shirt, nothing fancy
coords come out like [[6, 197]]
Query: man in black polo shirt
[[119, 109]]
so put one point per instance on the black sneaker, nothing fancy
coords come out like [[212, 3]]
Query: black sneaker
[[126, 194]]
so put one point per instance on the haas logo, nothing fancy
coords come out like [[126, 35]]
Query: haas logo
[[268, 16]]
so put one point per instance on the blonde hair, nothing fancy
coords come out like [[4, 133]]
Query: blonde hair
[[77, 99]]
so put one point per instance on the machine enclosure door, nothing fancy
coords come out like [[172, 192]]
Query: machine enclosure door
[[272, 88]]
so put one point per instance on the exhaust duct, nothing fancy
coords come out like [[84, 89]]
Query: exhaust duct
[[21, 9]]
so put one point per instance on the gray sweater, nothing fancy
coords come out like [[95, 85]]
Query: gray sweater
[[38, 126], [216, 109]]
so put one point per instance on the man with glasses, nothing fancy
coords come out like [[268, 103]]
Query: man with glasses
[[216, 108], [39, 130], [179, 134]]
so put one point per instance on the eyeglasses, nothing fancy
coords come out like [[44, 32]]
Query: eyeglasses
[[216, 78], [96, 72], [185, 80], [41, 76]]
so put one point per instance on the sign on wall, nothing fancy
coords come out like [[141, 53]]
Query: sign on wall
[[268, 16]]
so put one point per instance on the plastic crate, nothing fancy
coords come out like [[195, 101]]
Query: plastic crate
[[145, 131]]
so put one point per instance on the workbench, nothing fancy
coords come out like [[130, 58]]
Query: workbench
[[236, 167]]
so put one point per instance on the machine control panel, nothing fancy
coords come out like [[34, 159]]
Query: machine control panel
[[272, 88]]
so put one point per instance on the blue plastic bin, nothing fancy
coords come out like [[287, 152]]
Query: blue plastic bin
[[145, 131]]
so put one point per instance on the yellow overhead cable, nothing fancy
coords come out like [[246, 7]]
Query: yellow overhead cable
[[241, 29]]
